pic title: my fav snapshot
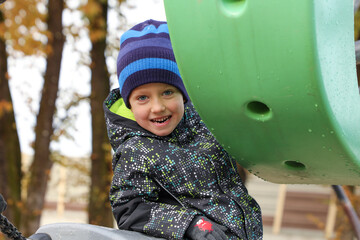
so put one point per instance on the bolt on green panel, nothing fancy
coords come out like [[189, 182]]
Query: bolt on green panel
[[275, 81]]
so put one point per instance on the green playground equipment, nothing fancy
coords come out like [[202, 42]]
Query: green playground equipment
[[275, 81]]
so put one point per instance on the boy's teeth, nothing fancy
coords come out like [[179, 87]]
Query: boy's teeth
[[161, 120]]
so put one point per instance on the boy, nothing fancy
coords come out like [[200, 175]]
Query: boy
[[172, 179]]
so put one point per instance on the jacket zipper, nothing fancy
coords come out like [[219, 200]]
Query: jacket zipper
[[229, 195], [162, 186]]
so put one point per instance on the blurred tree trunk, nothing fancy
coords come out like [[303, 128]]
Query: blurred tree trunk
[[41, 165], [99, 206], [10, 154]]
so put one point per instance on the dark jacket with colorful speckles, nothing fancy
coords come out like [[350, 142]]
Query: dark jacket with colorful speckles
[[161, 183]]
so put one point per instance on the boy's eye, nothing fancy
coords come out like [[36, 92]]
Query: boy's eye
[[168, 92], [142, 98]]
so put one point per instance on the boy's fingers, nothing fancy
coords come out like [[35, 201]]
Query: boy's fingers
[[211, 237], [221, 236], [220, 230], [218, 235], [221, 227]]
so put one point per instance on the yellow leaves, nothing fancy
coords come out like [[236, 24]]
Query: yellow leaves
[[94, 13], [2, 30], [37, 212], [19, 204], [5, 107], [24, 26], [106, 146], [47, 172], [97, 35], [92, 9]]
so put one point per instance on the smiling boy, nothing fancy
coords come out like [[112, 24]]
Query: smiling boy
[[157, 107], [172, 179]]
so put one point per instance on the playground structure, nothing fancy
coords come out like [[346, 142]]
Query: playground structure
[[275, 81]]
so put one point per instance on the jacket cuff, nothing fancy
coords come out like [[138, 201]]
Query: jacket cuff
[[170, 224]]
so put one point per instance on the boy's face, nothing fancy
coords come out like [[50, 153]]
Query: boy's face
[[157, 107]]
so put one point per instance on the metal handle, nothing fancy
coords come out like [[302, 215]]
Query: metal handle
[[348, 208]]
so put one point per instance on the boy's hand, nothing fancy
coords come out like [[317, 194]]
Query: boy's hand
[[201, 228]]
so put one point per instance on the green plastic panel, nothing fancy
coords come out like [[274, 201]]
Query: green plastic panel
[[275, 81]]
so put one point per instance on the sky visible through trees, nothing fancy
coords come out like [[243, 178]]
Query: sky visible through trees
[[26, 82]]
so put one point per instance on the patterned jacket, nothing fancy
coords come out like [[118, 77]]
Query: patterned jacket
[[161, 183]]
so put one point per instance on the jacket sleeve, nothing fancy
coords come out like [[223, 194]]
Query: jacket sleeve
[[134, 198]]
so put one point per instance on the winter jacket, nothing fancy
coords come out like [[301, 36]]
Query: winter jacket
[[161, 183]]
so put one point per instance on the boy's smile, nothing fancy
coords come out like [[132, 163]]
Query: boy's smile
[[157, 107]]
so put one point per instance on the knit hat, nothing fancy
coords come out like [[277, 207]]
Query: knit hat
[[146, 56]]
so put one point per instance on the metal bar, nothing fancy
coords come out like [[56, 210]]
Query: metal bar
[[348, 208]]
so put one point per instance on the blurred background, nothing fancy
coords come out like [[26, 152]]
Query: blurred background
[[57, 65]]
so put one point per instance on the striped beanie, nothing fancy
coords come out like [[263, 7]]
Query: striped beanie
[[146, 56]]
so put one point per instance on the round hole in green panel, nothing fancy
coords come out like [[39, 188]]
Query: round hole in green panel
[[258, 111], [233, 7], [294, 165]]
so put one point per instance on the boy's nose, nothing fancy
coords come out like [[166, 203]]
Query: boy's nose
[[157, 106]]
